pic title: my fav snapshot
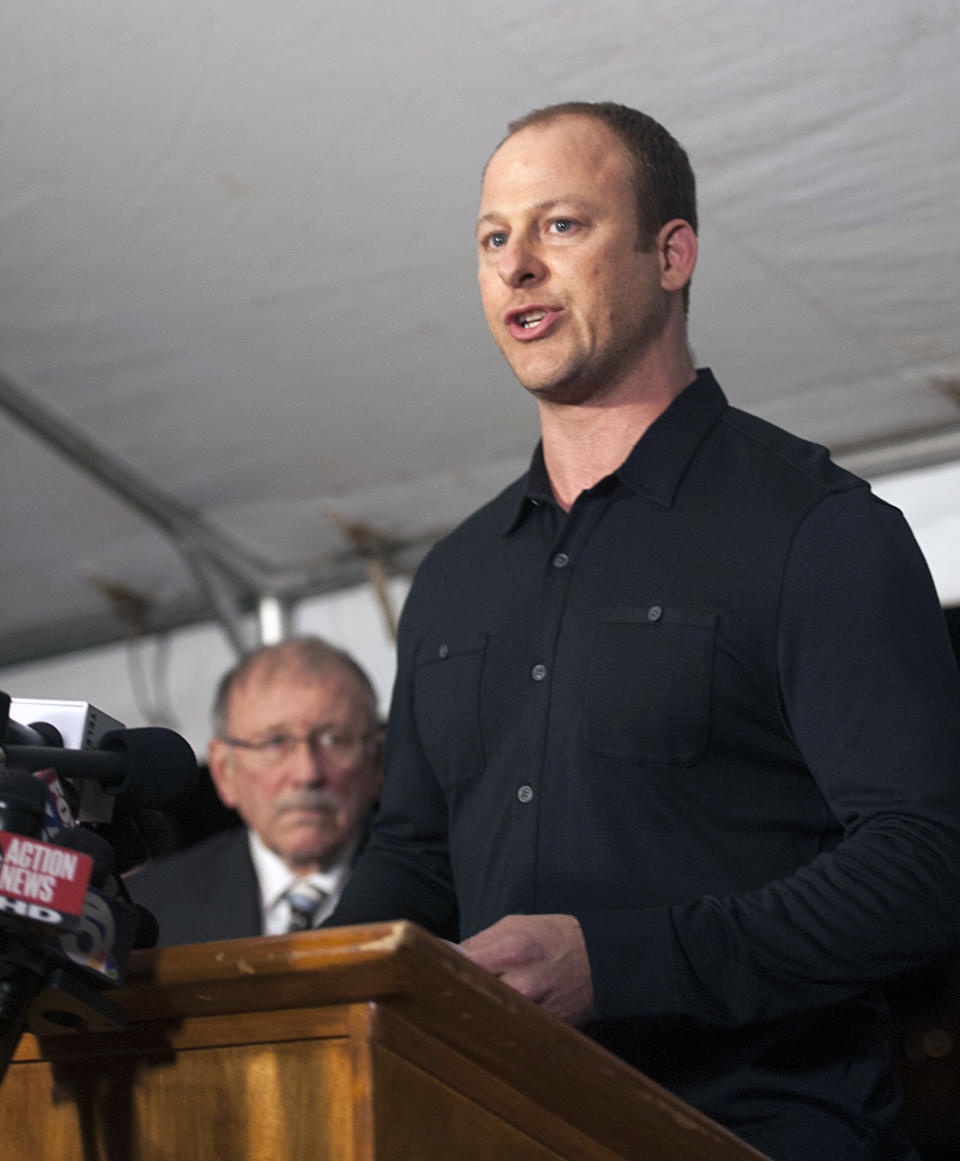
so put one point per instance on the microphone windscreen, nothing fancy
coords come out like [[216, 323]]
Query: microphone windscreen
[[81, 838], [129, 846], [48, 734], [160, 766], [136, 838], [23, 802], [157, 834]]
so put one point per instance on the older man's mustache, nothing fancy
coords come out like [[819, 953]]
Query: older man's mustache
[[319, 800]]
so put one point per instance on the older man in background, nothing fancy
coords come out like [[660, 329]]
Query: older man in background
[[297, 754]]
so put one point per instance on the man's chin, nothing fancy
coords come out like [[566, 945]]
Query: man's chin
[[307, 819], [566, 392], [307, 844], [555, 383]]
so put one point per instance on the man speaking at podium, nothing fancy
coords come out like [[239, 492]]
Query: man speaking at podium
[[674, 747]]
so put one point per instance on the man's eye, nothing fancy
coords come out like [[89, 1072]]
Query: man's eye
[[332, 740], [562, 225], [278, 743], [496, 240]]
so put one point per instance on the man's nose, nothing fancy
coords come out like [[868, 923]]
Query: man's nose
[[520, 264], [306, 762]]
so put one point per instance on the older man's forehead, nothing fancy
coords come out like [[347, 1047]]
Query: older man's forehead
[[268, 682]]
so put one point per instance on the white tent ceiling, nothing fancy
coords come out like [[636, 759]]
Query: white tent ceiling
[[236, 253]]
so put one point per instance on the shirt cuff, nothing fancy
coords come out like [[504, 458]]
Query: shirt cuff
[[632, 963]]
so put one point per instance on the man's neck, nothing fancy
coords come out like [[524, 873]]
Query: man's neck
[[330, 859], [583, 443]]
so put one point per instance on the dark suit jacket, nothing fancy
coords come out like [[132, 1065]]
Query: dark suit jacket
[[209, 891]]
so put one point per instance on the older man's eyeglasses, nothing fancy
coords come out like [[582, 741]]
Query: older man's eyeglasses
[[336, 748]]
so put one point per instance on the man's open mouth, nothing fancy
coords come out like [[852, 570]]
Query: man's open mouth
[[530, 321], [530, 318]]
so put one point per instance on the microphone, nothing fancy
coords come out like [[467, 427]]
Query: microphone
[[67, 923], [136, 837], [23, 802], [42, 887], [81, 838], [149, 766], [39, 881], [37, 734]]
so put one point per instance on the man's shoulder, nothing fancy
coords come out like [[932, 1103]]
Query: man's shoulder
[[474, 533], [799, 460], [184, 866], [459, 562], [208, 891]]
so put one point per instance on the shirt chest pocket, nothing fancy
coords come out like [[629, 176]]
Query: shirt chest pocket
[[447, 704], [648, 686]]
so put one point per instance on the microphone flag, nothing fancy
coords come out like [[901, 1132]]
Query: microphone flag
[[42, 881]]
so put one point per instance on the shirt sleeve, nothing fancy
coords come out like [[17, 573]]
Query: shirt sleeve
[[870, 696], [404, 870]]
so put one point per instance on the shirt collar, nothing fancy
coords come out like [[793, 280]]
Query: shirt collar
[[659, 458], [275, 877]]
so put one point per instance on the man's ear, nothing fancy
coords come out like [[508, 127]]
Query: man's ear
[[677, 247], [220, 761]]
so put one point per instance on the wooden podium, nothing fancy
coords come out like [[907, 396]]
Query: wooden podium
[[375, 1043]]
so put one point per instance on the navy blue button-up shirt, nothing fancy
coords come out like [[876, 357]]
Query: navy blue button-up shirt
[[712, 711]]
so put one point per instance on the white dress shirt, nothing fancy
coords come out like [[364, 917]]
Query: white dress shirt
[[275, 878]]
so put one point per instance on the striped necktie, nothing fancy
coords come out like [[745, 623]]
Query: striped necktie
[[305, 901]]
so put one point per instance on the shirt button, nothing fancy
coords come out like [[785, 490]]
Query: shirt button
[[561, 560], [654, 613], [539, 672], [525, 794], [443, 651]]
